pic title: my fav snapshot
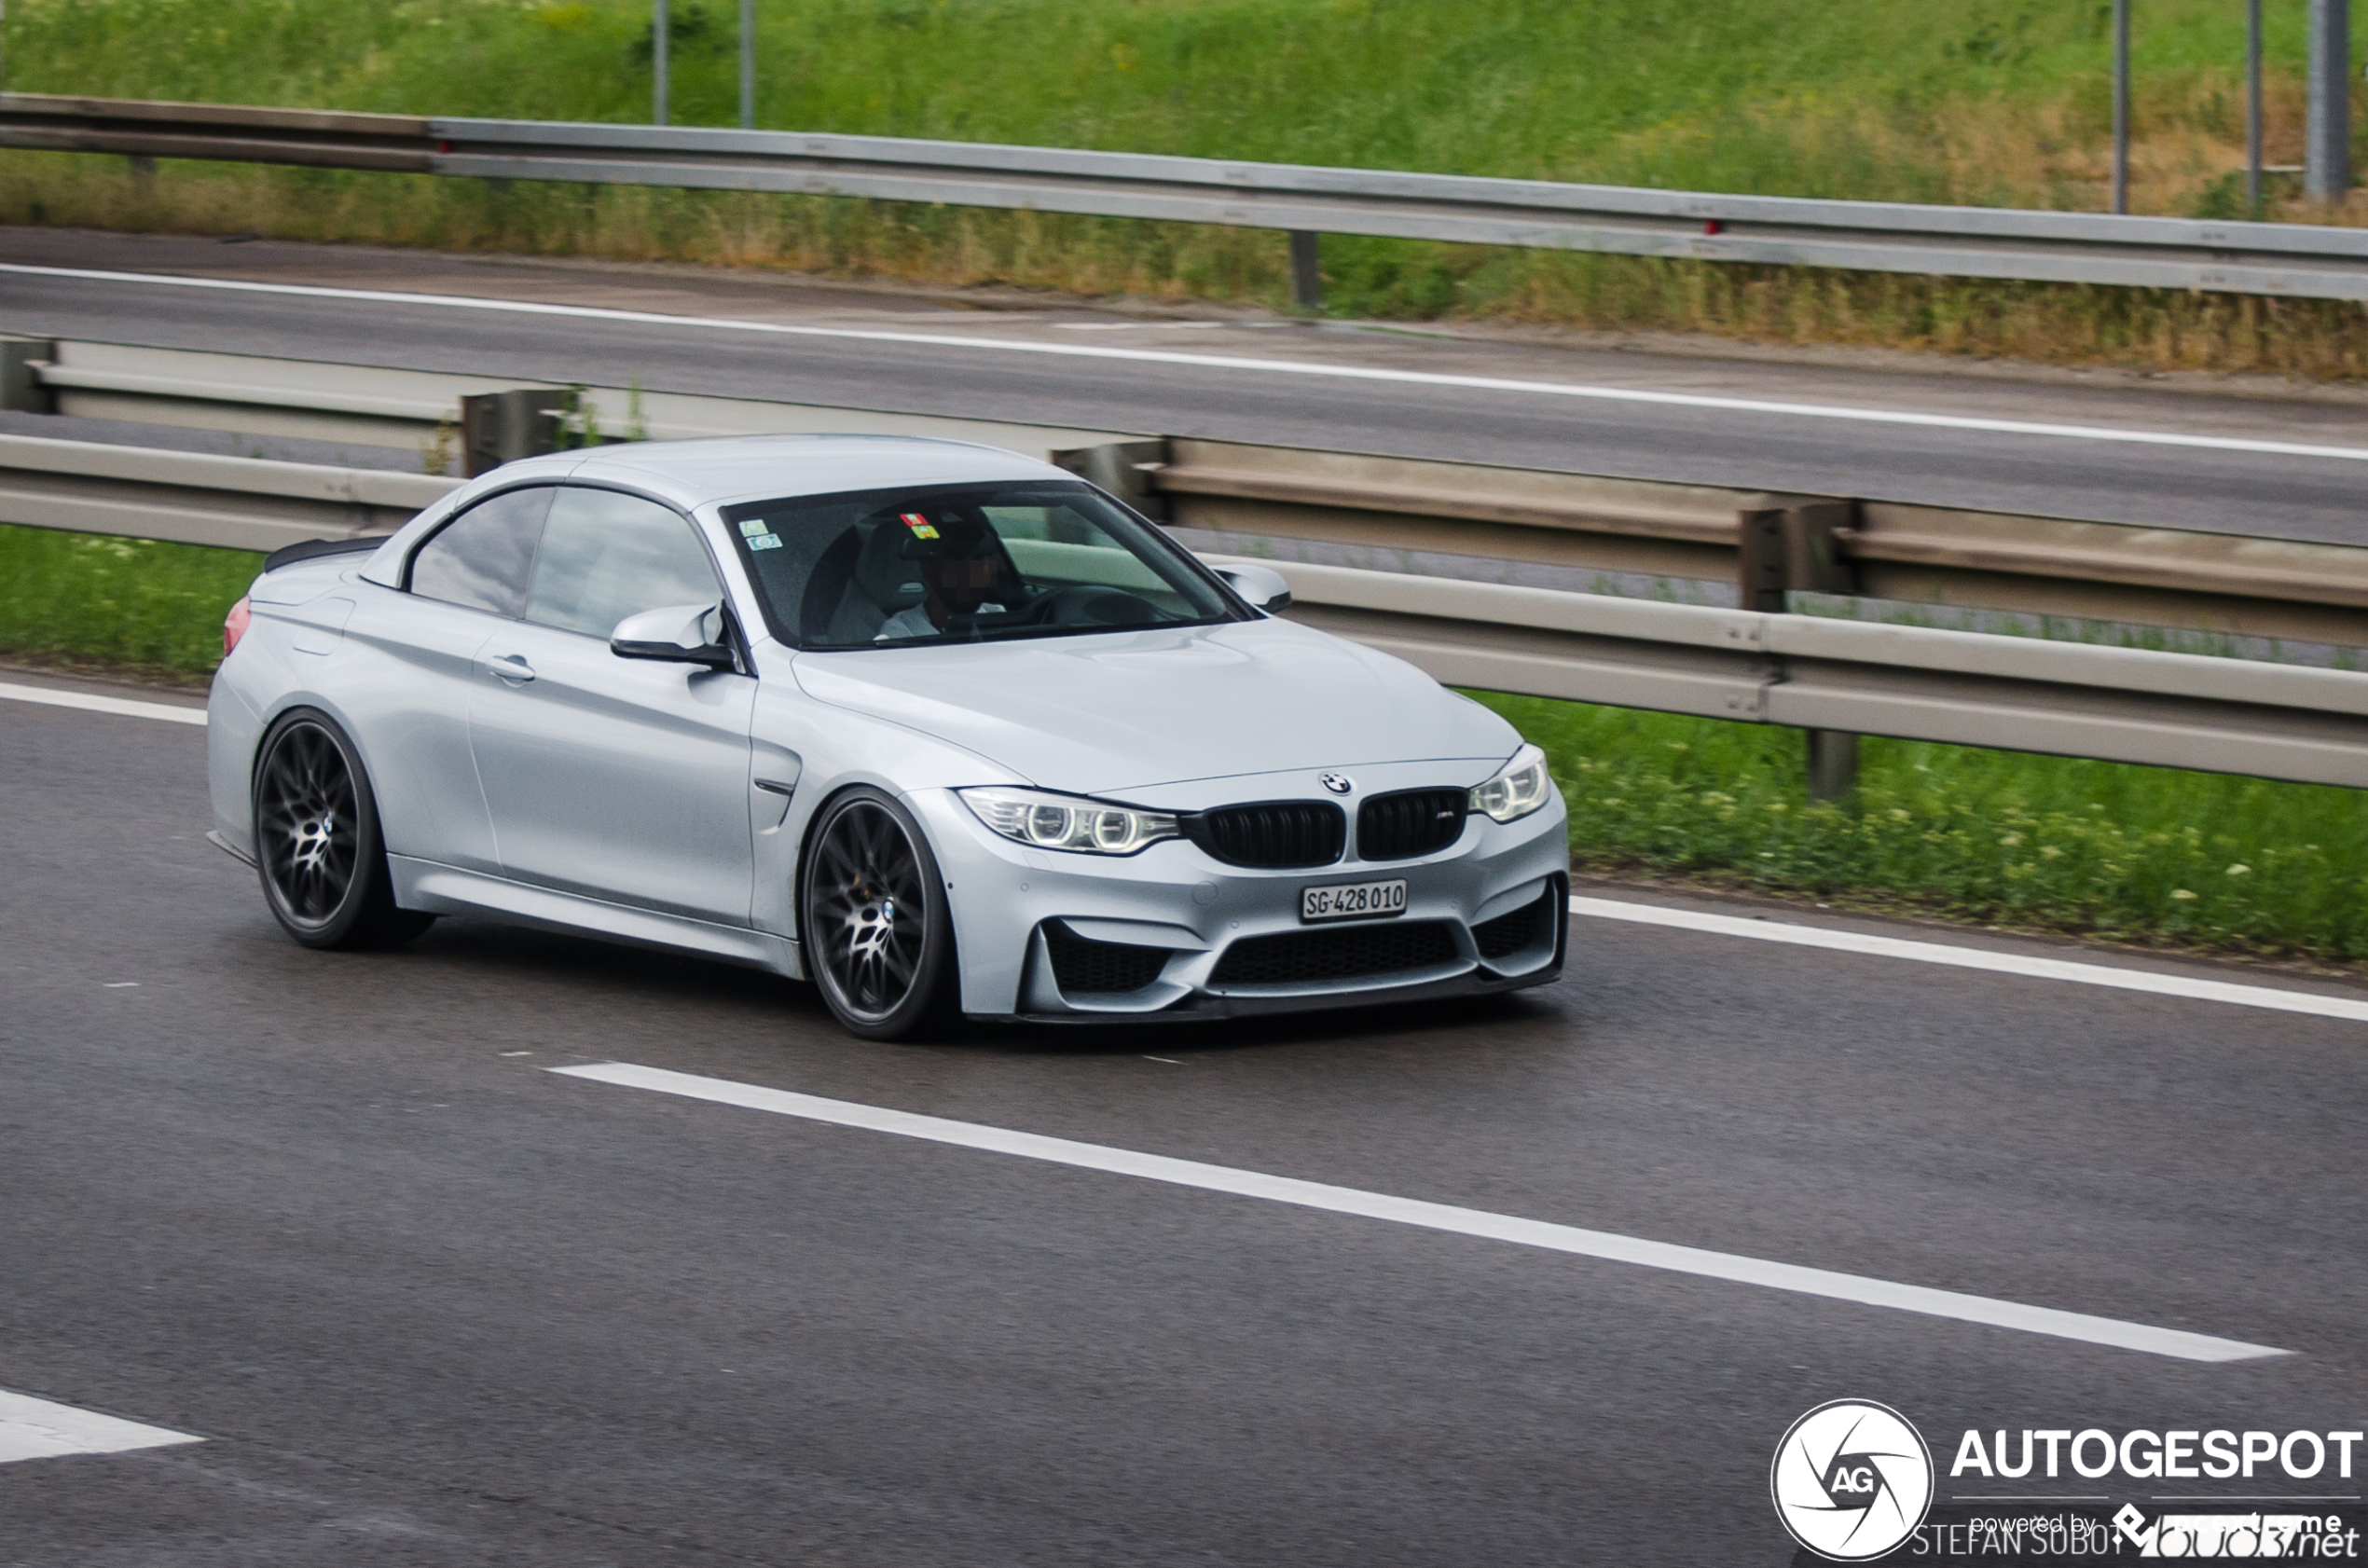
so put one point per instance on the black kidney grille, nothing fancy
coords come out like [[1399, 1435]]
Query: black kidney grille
[[1410, 823], [1507, 934], [1272, 834], [1083, 967], [1299, 958]]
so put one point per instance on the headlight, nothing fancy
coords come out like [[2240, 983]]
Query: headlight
[[1519, 789], [1050, 821]]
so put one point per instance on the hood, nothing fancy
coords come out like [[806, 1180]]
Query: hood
[[1106, 713]]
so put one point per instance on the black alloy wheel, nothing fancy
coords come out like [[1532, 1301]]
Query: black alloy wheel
[[316, 838], [877, 936]]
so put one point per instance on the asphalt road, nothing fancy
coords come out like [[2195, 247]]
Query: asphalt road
[[2266, 493], [428, 1303]]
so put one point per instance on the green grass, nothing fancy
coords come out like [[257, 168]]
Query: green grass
[[134, 603], [2053, 842], [1742, 95], [1973, 101]]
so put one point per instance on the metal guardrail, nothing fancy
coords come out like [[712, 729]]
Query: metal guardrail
[[1769, 545], [1824, 674], [251, 395], [2284, 259], [1766, 544], [196, 498], [1828, 676]]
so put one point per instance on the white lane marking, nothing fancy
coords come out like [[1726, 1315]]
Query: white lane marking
[[91, 702], [34, 1428], [1979, 958], [2176, 1343], [1230, 361]]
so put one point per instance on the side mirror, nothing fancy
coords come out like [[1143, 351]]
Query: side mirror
[[1264, 587], [682, 634]]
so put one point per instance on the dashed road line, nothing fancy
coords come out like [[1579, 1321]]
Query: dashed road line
[[2176, 1343], [32, 1428]]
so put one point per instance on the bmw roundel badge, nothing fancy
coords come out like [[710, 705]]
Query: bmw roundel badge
[[1339, 783]]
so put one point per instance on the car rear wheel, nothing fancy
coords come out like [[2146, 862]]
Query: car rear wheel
[[316, 839], [878, 934]]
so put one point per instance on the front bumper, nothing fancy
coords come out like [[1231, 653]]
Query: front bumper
[[1160, 936]]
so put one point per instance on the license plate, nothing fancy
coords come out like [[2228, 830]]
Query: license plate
[[1352, 900]]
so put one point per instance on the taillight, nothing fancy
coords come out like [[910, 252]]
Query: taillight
[[234, 626]]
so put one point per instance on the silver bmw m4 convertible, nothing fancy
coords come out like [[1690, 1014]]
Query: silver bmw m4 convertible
[[942, 729]]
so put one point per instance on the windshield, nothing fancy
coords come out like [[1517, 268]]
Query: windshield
[[965, 563]]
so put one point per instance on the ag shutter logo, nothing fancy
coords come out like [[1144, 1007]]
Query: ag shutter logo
[[1852, 1480]]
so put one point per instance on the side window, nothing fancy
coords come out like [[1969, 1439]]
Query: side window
[[607, 556], [482, 557]]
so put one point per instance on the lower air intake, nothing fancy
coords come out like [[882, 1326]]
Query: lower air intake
[[1351, 953], [1508, 934], [1082, 967]]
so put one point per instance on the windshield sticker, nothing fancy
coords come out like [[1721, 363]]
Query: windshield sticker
[[752, 527], [918, 524], [765, 542]]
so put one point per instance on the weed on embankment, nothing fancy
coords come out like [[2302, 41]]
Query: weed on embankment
[[2108, 849], [135, 602]]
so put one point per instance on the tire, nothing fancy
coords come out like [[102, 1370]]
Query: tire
[[318, 851], [885, 974]]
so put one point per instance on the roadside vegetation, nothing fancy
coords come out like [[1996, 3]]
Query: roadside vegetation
[[2136, 854], [2105, 849], [1985, 101], [138, 605]]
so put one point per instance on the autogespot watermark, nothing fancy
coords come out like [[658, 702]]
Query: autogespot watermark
[[2093, 1454], [1853, 1481]]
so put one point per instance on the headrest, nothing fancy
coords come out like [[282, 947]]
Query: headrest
[[882, 572]]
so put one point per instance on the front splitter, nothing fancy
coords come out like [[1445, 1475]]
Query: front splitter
[[1204, 1006]]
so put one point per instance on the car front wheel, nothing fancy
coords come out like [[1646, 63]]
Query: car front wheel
[[878, 934]]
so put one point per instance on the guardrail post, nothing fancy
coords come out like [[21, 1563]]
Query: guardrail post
[[504, 426], [1813, 559], [2253, 110], [1779, 549], [2327, 160], [659, 39], [748, 65], [1307, 274], [1124, 469], [1833, 764], [20, 387], [2120, 105], [1760, 560]]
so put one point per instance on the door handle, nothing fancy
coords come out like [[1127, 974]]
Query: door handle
[[511, 667]]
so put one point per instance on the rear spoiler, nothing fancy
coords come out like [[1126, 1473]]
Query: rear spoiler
[[311, 549]]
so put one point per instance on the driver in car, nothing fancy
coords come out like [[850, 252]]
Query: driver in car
[[959, 563]]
